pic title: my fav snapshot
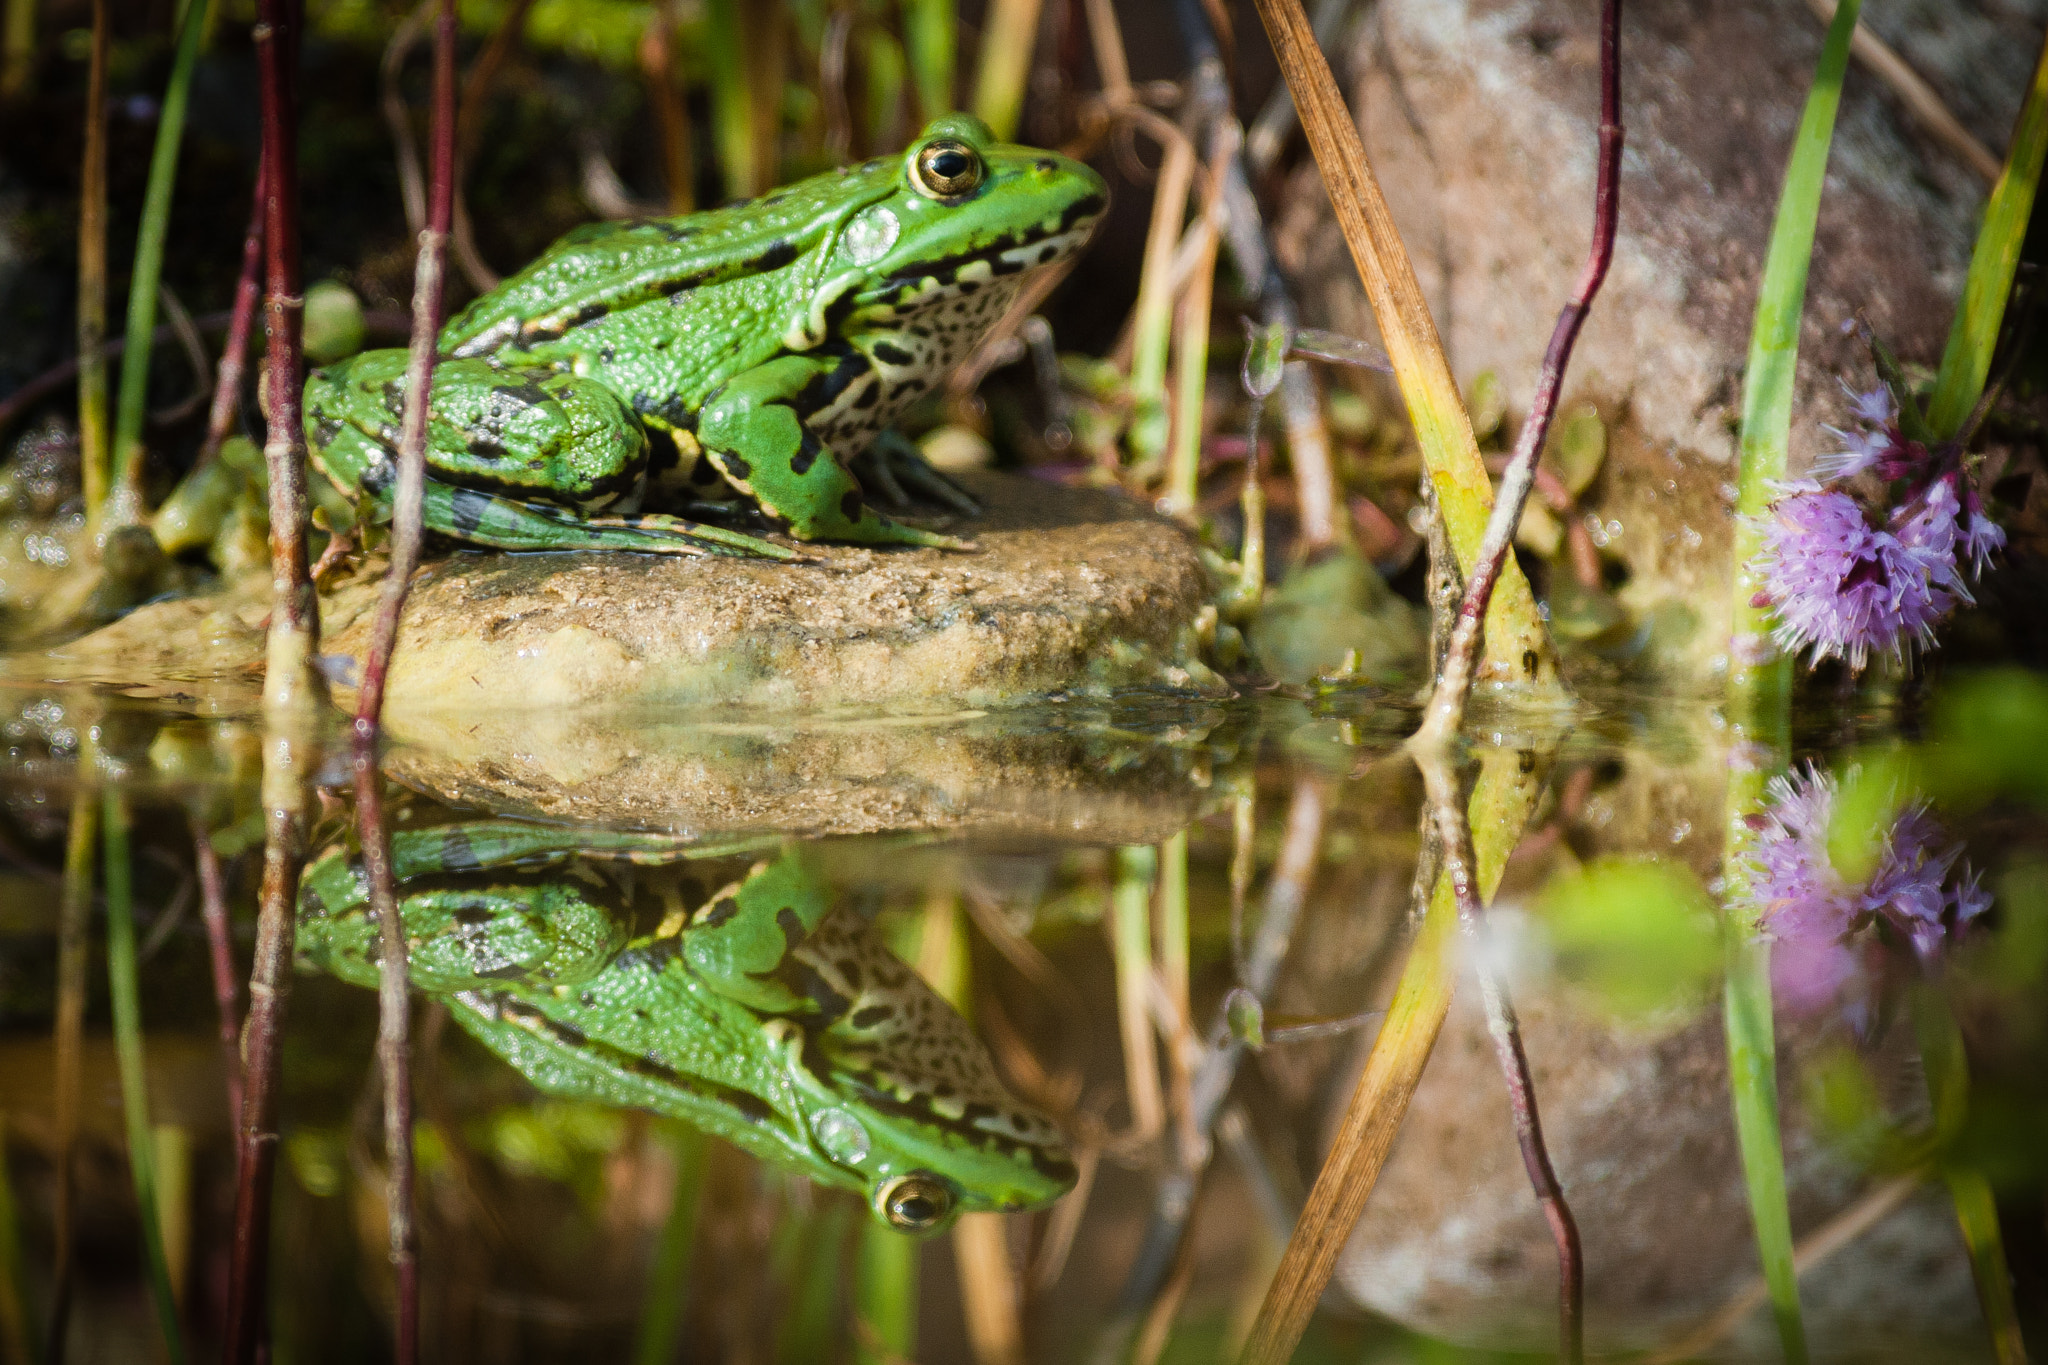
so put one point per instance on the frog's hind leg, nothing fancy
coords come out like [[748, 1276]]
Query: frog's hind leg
[[487, 519]]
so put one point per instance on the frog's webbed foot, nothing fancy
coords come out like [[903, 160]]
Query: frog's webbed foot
[[895, 469]]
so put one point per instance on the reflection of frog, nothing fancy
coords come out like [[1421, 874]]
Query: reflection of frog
[[763, 345], [761, 1015]]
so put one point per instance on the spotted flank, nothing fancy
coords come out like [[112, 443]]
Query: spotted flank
[[889, 1034]]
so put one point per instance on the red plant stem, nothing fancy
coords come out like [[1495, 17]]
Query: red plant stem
[[288, 684], [393, 1003], [1447, 706], [234, 351], [1461, 869], [213, 909]]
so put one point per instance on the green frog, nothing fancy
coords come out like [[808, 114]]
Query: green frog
[[761, 348], [596, 964]]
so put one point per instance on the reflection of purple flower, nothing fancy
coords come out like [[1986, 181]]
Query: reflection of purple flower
[[1842, 587], [1829, 933]]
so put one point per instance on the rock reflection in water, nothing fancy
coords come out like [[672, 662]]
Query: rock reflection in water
[[566, 872]]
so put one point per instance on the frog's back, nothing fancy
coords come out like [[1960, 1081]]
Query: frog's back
[[599, 269]]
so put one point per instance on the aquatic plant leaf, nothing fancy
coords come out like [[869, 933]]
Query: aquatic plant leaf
[[1637, 933], [1488, 403], [1578, 447], [1966, 363]]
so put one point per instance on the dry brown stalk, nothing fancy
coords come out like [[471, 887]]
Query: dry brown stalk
[[1917, 95], [94, 452], [1518, 648]]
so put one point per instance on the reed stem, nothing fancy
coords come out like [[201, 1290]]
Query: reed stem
[[234, 349], [73, 949], [1454, 833], [213, 910], [124, 491], [92, 279], [393, 998], [123, 993], [1461, 658], [1517, 645], [289, 689]]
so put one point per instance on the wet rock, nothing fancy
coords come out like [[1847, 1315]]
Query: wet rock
[[1029, 774], [1070, 590], [1639, 1128], [1480, 117]]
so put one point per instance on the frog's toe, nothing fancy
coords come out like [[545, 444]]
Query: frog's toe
[[889, 532], [898, 470]]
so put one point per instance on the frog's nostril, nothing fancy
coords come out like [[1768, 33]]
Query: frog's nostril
[[1046, 164]]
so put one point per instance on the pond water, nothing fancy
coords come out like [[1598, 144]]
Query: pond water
[[662, 1114]]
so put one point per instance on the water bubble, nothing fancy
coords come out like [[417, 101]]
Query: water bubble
[[842, 1136]]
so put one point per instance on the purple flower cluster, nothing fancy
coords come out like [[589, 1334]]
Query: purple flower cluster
[[1845, 582], [1834, 938]]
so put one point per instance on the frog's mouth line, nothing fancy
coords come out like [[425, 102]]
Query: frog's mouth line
[[1052, 1163], [1074, 225]]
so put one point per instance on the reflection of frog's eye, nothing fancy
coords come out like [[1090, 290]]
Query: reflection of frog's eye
[[917, 1202], [946, 168]]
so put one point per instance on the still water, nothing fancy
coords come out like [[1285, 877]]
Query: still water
[[674, 1083]]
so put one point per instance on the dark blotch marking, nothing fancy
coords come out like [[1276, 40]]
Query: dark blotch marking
[[527, 394], [325, 428], [394, 397], [868, 396], [850, 506], [1525, 759], [703, 473], [484, 446], [968, 287], [467, 508], [869, 1015], [791, 925], [721, 912], [807, 452], [776, 256], [892, 354], [736, 465]]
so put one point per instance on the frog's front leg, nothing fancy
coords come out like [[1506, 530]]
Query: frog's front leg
[[755, 429]]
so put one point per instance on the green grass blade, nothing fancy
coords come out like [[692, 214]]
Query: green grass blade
[[810, 1326], [1760, 682], [124, 996], [1753, 1079], [885, 1296], [1978, 1215], [1009, 35], [125, 485], [1781, 297], [1974, 335], [668, 1280], [931, 37]]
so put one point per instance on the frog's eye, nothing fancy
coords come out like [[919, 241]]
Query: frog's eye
[[946, 168], [917, 1202]]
